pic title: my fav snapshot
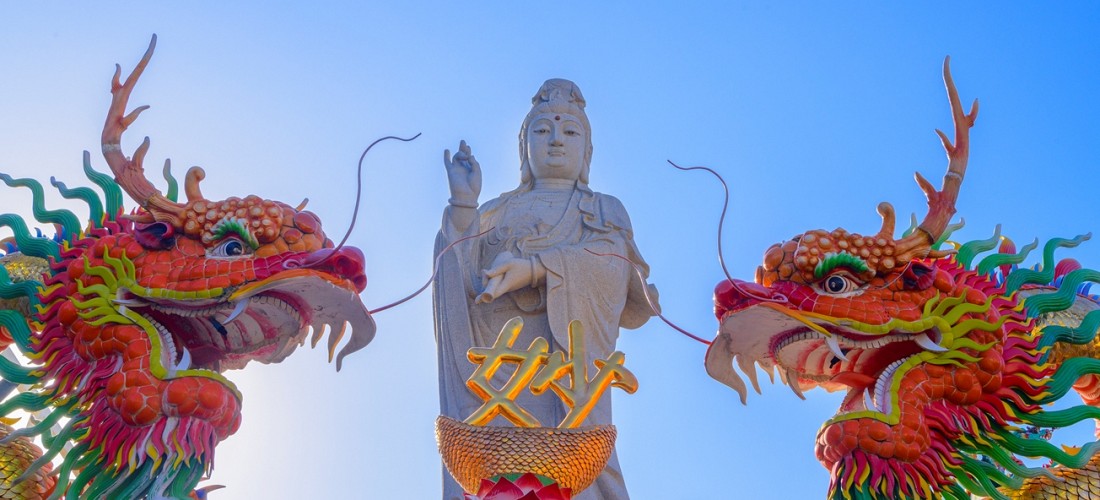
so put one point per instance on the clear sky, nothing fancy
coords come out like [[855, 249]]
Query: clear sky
[[814, 113]]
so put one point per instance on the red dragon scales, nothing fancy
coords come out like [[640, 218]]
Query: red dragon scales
[[944, 363], [130, 322]]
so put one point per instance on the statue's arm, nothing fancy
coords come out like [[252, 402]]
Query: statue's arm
[[642, 297]]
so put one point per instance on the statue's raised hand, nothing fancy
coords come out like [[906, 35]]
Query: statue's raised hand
[[463, 175]]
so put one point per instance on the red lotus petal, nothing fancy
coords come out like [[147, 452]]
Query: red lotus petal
[[554, 492], [526, 487], [529, 482], [486, 485], [503, 490]]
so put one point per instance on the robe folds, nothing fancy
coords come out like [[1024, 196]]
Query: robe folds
[[560, 229]]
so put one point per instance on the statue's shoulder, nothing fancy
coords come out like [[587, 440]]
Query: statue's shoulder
[[609, 203], [612, 210], [492, 204]]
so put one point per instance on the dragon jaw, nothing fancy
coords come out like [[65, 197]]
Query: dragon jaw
[[266, 325], [811, 351], [263, 320]]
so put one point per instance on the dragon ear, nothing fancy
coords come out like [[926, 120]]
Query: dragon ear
[[918, 276], [155, 236]]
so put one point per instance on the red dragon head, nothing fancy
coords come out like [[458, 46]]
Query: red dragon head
[[939, 362], [140, 314], [233, 268]]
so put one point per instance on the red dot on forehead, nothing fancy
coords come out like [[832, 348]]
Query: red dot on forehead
[[557, 117]]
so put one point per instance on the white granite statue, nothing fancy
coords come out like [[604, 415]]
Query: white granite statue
[[535, 264]]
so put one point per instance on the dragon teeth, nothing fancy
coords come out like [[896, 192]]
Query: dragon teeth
[[130, 302], [882, 396], [792, 382], [925, 342], [237, 310], [185, 360], [834, 346], [748, 367]]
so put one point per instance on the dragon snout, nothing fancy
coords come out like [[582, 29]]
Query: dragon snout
[[733, 295], [346, 262]]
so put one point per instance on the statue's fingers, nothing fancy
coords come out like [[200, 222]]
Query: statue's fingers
[[447, 159], [462, 146]]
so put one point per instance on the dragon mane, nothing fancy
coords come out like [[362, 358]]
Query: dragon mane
[[982, 452], [170, 456]]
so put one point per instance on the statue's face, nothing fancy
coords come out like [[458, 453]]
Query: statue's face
[[555, 146]]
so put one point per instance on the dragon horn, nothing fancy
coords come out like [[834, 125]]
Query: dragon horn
[[941, 204], [128, 172], [191, 183]]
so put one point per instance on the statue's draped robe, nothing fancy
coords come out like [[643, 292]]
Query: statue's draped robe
[[558, 228]]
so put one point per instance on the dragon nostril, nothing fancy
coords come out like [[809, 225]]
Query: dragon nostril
[[347, 262], [340, 263]]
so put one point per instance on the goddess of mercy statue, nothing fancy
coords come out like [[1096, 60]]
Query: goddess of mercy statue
[[536, 261]]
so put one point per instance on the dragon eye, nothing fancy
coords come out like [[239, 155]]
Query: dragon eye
[[231, 247], [837, 284]]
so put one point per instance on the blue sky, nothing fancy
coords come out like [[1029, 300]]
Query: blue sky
[[812, 112]]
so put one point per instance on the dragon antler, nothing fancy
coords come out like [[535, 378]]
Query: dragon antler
[[128, 172], [941, 204]]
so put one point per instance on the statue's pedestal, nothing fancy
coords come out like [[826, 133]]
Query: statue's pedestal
[[571, 457]]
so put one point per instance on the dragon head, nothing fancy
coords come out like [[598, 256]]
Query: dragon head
[[942, 364], [234, 280], [884, 319], [141, 314], [238, 280]]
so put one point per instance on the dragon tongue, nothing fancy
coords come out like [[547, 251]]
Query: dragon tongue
[[855, 400], [853, 380]]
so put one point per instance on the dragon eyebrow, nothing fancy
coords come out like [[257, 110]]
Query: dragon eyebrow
[[833, 260], [235, 226]]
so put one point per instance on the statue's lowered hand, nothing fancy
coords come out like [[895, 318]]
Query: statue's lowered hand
[[507, 273], [491, 291]]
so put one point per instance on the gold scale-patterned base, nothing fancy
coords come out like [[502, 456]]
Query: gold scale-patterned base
[[1069, 484], [572, 457], [20, 268], [15, 456]]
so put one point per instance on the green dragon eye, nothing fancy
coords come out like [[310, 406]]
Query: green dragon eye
[[231, 247], [839, 284]]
